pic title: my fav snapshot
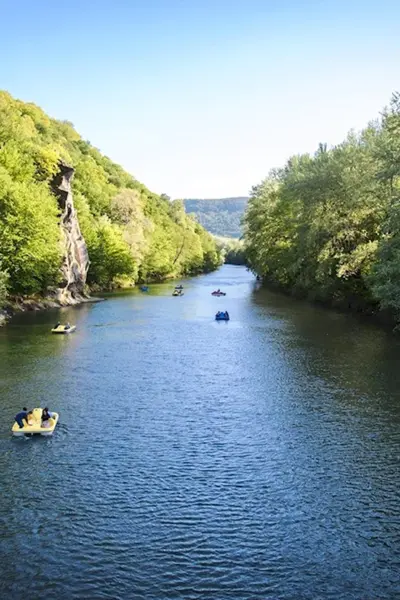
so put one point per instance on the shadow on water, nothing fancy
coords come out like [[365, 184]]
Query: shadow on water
[[336, 346]]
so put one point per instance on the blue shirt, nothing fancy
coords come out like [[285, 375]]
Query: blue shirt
[[21, 415]]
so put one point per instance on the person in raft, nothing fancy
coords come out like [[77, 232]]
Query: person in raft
[[21, 416], [46, 415]]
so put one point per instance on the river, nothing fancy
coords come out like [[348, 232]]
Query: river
[[254, 460]]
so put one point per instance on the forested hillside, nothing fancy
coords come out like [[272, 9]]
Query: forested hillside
[[129, 231], [328, 225], [220, 217]]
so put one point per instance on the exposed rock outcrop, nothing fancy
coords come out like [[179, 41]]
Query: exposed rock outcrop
[[76, 259]]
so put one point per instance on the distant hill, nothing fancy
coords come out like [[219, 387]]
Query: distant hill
[[219, 216]]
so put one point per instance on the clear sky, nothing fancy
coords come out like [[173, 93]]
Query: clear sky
[[200, 98]]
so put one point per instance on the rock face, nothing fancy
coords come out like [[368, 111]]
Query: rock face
[[76, 259]]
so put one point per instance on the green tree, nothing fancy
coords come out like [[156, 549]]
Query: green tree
[[30, 249], [109, 254], [3, 286], [130, 232], [328, 225]]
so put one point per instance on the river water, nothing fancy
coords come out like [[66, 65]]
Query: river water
[[255, 460]]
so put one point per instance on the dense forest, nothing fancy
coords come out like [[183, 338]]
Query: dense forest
[[232, 250], [328, 225], [220, 217], [129, 231]]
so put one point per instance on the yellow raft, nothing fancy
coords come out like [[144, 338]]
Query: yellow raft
[[35, 427], [63, 329]]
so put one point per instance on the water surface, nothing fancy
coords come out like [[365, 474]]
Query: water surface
[[256, 459]]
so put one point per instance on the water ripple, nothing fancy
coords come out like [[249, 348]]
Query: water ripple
[[258, 460]]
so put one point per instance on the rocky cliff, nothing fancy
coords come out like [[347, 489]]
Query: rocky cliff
[[75, 259]]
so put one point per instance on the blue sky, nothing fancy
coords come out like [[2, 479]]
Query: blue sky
[[203, 98]]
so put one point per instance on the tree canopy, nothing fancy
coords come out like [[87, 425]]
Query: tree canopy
[[328, 225], [232, 250], [130, 232]]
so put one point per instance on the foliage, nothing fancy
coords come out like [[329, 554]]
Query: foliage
[[128, 230], [220, 217], [109, 254], [3, 287], [30, 249], [232, 251], [329, 224]]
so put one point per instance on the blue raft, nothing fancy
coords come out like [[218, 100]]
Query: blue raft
[[222, 316]]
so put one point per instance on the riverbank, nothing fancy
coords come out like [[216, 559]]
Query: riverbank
[[36, 303]]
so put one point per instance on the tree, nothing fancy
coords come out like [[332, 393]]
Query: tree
[[110, 255], [129, 231], [3, 286], [328, 225], [30, 249]]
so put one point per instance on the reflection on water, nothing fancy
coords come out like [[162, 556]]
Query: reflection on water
[[200, 460]]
